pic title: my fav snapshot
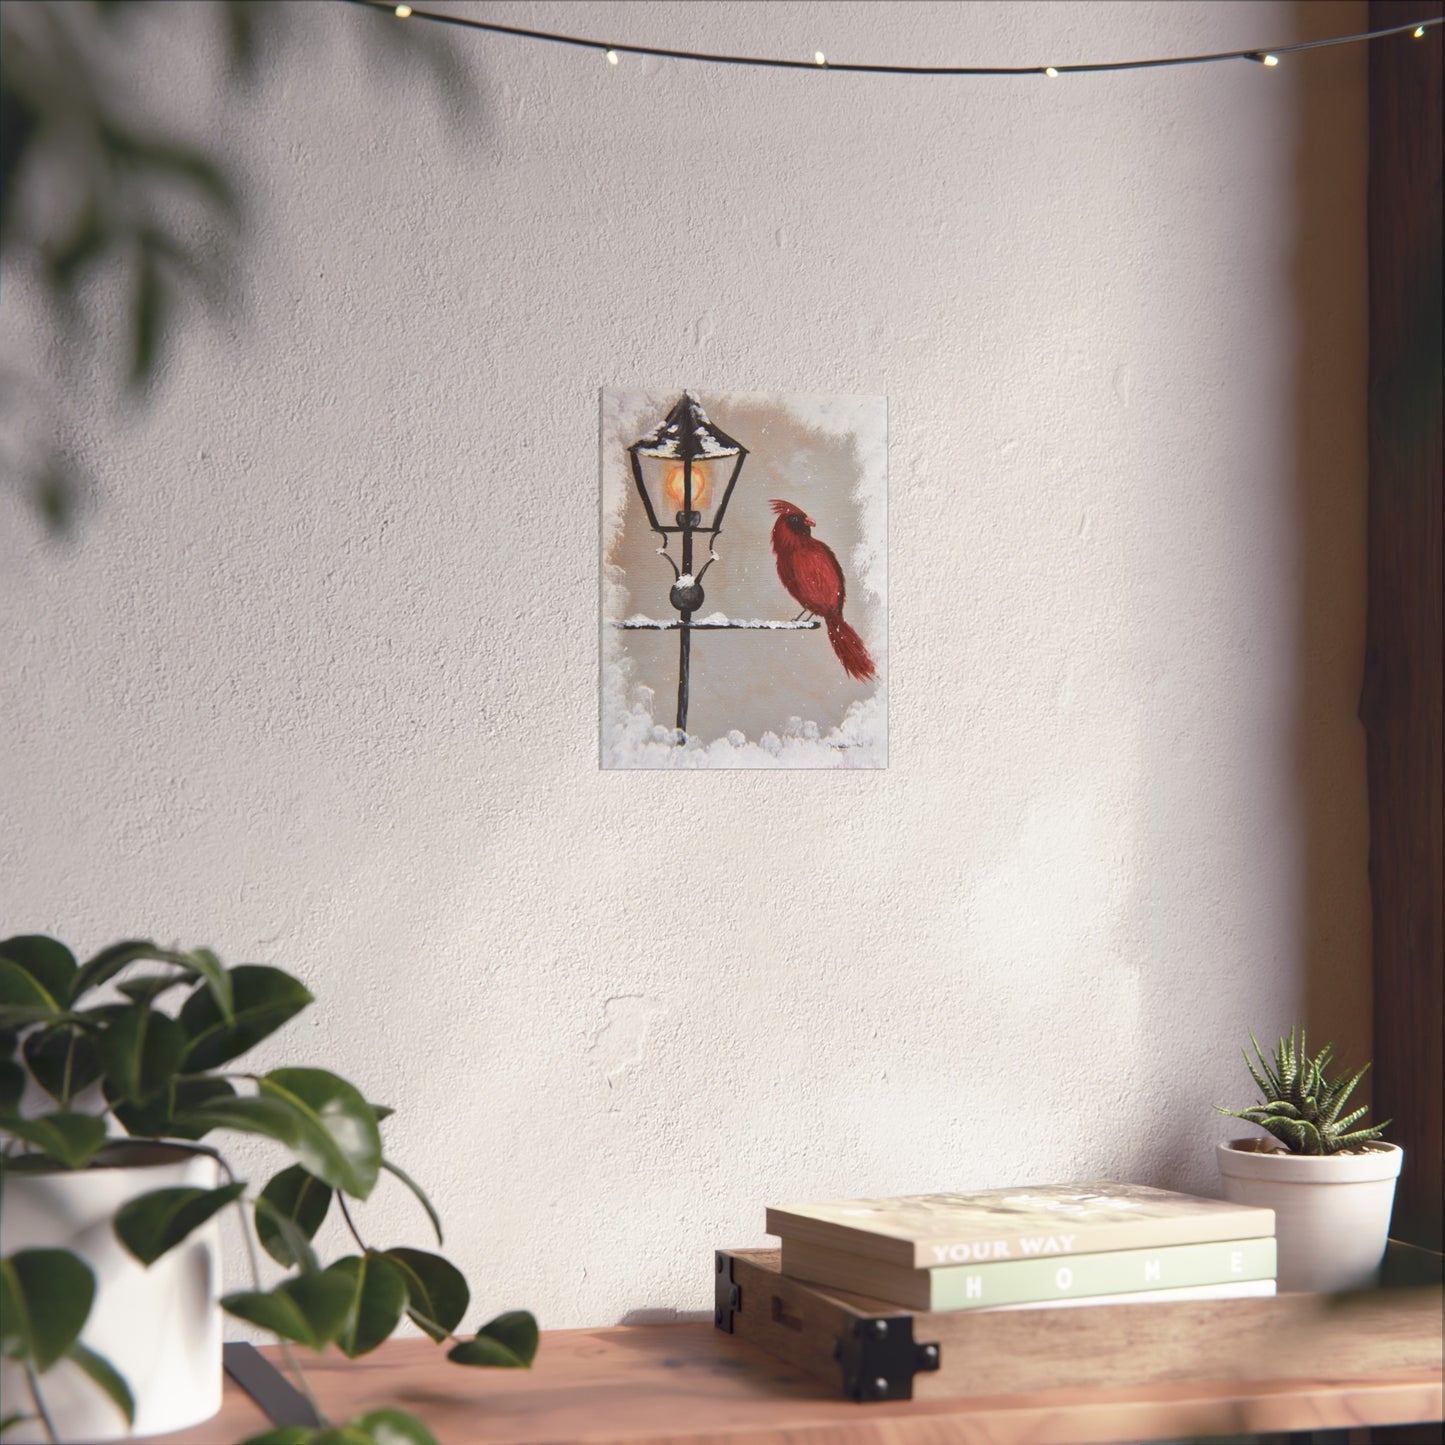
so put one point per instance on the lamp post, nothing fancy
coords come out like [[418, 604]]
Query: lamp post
[[678, 467]]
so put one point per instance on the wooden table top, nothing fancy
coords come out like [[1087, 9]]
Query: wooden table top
[[692, 1384]]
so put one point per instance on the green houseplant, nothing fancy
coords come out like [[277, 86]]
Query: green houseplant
[[1331, 1184], [106, 1068]]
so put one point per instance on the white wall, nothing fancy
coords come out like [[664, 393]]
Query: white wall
[[315, 683]]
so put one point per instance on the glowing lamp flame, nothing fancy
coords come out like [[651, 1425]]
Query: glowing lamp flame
[[674, 483]]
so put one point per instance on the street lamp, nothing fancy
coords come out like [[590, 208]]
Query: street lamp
[[679, 467]]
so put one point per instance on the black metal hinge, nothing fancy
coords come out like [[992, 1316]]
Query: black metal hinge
[[880, 1358], [727, 1296], [280, 1401]]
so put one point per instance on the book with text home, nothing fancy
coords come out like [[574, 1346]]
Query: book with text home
[[1031, 1281], [1245, 1289], [924, 1231]]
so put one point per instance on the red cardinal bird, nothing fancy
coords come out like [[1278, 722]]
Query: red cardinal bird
[[810, 571]]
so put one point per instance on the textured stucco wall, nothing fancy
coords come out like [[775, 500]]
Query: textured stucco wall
[[316, 681]]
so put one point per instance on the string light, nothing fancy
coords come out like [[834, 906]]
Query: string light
[[612, 57], [1260, 56]]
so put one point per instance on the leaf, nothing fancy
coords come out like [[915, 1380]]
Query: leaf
[[104, 1374], [241, 34], [507, 1342], [141, 1051], [151, 1224], [264, 999], [182, 162], [416, 1189], [310, 1310], [73, 1139], [298, 1197], [288, 1235], [45, 1299], [392, 1427], [166, 1116], [269, 1117], [142, 1121], [49, 1051], [23, 999], [437, 1293], [281, 1116], [14, 1323], [210, 968], [162, 1116], [148, 310], [188, 1094], [148, 989], [341, 1435], [378, 1296], [97, 1018], [340, 1143], [12, 1086], [87, 239], [1361, 1136], [109, 962], [382, 1111], [50, 964]]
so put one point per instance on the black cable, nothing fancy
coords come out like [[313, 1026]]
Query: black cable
[[1258, 54]]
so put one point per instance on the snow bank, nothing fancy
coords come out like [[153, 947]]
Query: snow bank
[[635, 739]]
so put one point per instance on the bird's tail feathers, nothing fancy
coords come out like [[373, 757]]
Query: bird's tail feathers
[[850, 649]]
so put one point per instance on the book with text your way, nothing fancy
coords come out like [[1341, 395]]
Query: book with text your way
[[1032, 1222]]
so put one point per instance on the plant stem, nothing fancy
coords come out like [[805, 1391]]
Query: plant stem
[[39, 1403], [346, 1215], [69, 1073], [291, 1361]]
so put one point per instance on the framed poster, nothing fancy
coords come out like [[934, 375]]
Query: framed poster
[[744, 580]]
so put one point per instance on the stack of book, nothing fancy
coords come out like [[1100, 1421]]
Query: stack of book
[[1031, 1247]]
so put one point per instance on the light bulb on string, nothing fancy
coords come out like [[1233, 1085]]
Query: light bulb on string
[[1260, 57]]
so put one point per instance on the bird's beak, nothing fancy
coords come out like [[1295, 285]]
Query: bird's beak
[[809, 522]]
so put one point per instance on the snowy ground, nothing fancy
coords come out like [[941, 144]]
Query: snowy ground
[[635, 739]]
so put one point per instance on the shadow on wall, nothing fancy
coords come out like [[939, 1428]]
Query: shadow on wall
[[1331, 304], [1322, 895], [91, 187]]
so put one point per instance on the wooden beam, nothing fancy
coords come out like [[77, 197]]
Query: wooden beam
[[1400, 702]]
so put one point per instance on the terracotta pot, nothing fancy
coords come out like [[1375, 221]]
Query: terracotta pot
[[1331, 1211], [160, 1327]]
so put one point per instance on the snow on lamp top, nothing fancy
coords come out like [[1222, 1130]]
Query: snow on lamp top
[[686, 433]]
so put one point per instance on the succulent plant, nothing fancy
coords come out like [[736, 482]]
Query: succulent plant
[[1301, 1107]]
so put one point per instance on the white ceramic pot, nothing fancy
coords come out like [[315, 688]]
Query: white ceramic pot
[[160, 1327], [1331, 1211]]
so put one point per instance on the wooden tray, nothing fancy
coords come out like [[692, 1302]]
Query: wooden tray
[[871, 1350]]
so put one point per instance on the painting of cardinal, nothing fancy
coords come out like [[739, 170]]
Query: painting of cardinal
[[812, 574], [723, 514]]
